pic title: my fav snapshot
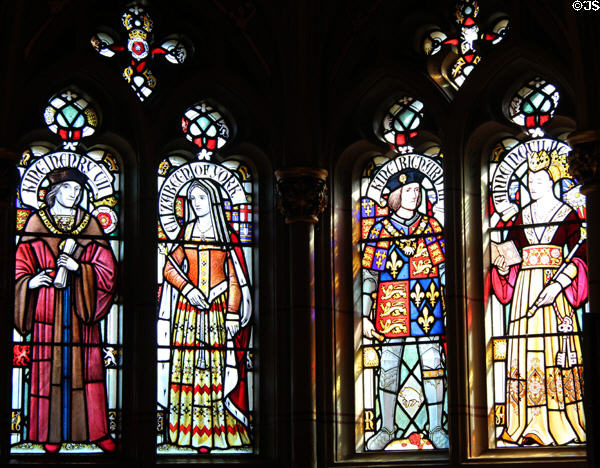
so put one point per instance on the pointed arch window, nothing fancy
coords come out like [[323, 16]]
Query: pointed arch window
[[401, 380], [67, 337], [205, 312], [535, 237]]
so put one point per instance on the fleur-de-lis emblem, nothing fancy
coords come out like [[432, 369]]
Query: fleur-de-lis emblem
[[367, 205], [417, 295], [394, 264], [380, 256], [426, 320], [432, 294]]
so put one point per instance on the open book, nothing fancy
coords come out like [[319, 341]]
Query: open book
[[508, 250]]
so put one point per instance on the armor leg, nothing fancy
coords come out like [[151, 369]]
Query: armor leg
[[430, 353], [389, 382]]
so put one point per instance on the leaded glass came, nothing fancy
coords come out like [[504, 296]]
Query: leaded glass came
[[205, 311], [463, 45], [141, 48], [402, 379], [67, 340], [537, 291]]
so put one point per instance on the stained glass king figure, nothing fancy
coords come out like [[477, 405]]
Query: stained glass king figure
[[403, 311], [398, 261], [65, 286]]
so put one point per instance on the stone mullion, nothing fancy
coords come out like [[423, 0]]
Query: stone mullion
[[302, 196]]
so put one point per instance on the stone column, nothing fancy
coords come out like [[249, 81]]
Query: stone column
[[584, 162], [302, 197]]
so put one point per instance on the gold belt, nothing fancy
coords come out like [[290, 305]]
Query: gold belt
[[542, 256]]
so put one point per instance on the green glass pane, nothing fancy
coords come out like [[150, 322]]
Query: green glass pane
[[70, 113], [203, 122], [537, 99]]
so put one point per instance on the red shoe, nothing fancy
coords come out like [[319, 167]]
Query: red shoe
[[108, 445], [52, 448]]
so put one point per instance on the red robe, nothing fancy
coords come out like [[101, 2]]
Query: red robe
[[70, 316]]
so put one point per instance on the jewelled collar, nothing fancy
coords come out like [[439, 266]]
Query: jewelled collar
[[48, 221]]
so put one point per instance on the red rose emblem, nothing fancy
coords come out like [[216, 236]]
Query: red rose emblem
[[104, 220], [138, 47], [415, 438], [107, 218]]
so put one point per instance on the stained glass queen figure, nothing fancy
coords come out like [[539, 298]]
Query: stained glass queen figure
[[539, 274], [206, 286]]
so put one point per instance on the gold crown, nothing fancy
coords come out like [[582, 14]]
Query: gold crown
[[538, 161], [559, 168], [554, 163], [138, 33]]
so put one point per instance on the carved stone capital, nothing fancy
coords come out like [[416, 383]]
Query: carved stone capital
[[301, 193], [584, 159]]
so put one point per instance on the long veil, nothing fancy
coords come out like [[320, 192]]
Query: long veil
[[234, 388]]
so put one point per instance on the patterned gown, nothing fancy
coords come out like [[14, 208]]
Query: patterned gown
[[203, 413], [544, 397]]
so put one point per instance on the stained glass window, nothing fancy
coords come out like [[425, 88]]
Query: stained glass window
[[205, 309], [67, 338], [139, 25], [401, 386], [537, 282], [465, 41]]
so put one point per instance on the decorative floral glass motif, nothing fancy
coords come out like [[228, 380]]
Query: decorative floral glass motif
[[467, 42], [534, 105], [139, 27], [537, 287], [205, 267], [402, 381], [206, 128], [401, 122], [67, 344]]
